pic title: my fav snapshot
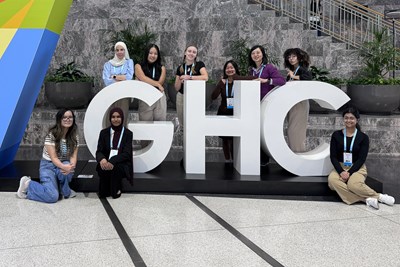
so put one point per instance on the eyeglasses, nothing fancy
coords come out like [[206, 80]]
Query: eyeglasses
[[67, 118]]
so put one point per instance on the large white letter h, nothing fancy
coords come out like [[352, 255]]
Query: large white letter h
[[244, 126]]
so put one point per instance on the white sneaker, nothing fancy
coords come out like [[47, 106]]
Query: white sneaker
[[73, 194], [372, 202], [386, 199], [23, 186]]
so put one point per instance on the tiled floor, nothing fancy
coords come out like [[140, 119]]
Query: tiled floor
[[186, 230], [203, 230]]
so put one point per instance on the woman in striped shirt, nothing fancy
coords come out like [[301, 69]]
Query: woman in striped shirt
[[58, 162]]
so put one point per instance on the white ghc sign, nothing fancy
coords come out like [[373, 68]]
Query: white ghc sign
[[244, 126]]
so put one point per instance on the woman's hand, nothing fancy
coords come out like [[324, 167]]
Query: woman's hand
[[105, 165], [120, 77], [67, 168], [262, 80], [160, 87], [184, 77], [344, 175], [290, 73]]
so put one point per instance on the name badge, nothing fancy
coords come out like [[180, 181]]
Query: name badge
[[113, 153], [229, 103], [347, 159]]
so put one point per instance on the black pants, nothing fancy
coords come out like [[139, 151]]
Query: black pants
[[111, 181]]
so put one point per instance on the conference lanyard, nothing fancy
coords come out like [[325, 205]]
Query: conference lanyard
[[120, 72], [226, 89], [154, 73], [120, 138], [229, 99], [294, 73], [191, 69], [352, 141], [259, 74], [348, 156]]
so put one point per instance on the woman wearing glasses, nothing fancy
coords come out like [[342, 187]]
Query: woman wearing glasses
[[58, 162]]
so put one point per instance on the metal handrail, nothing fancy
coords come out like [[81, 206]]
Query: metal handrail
[[347, 21]]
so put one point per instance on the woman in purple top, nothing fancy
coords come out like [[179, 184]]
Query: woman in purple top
[[267, 74], [269, 77]]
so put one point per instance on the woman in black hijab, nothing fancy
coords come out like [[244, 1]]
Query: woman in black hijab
[[114, 156]]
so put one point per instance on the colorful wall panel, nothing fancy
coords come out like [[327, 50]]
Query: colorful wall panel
[[29, 32]]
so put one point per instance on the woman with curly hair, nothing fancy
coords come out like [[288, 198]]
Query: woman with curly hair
[[58, 162], [296, 63]]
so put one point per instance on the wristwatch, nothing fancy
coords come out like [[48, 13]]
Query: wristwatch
[[114, 76]]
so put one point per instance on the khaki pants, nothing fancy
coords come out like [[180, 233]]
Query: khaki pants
[[297, 126], [179, 107], [355, 190], [155, 112]]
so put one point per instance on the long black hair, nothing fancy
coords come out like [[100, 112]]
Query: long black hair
[[264, 59], [302, 57], [58, 132], [146, 66], [235, 66]]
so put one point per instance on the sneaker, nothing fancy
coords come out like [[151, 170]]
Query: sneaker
[[372, 202], [386, 199], [23, 186], [73, 194]]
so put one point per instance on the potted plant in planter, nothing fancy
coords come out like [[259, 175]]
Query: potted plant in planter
[[373, 91], [68, 87]]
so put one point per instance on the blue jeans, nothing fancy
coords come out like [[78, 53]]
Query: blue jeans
[[51, 179]]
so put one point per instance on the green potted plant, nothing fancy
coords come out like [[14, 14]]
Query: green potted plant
[[372, 91], [68, 87]]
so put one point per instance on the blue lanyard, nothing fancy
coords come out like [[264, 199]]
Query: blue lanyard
[[259, 74], [295, 72], [120, 72], [154, 72], [352, 140], [191, 69], [120, 138], [226, 89]]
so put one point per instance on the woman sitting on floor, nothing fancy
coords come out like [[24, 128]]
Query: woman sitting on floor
[[349, 150], [58, 162]]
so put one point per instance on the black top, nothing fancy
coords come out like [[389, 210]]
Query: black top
[[148, 70], [360, 150], [195, 71], [220, 89], [305, 74], [124, 156]]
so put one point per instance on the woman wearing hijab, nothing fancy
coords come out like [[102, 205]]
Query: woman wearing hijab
[[119, 68], [114, 156]]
